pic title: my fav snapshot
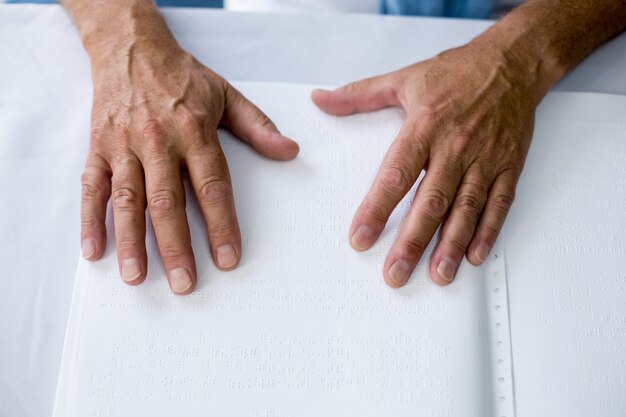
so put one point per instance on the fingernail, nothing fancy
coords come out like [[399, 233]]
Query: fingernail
[[482, 252], [131, 269], [362, 238], [180, 280], [399, 272], [226, 256], [88, 247], [447, 269]]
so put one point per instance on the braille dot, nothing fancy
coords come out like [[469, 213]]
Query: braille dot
[[501, 380], [497, 307]]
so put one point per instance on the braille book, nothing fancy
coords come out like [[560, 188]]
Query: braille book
[[305, 326]]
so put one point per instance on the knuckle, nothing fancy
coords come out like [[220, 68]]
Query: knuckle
[[215, 192], [173, 253], [152, 131], [470, 204], [129, 241], [464, 132], [373, 213], [434, 203], [502, 202], [463, 140], [125, 198], [428, 116], [491, 231], [152, 125], [395, 179], [352, 87], [124, 161], [221, 231], [456, 243], [189, 117], [91, 190], [233, 97], [162, 203], [456, 158], [420, 145], [89, 223], [101, 125], [264, 122], [194, 121], [97, 134], [414, 247]]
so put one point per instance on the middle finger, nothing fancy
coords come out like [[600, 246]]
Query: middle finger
[[166, 203], [432, 200]]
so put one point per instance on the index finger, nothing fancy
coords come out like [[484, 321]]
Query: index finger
[[398, 172], [208, 170]]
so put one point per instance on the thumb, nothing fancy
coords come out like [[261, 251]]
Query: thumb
[[251, 125], [360, 96]]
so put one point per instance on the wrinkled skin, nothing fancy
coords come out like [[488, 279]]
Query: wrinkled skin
[[156, 113], [469, 124]]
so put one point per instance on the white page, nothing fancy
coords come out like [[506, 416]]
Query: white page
[[305, 326], [565, 241]]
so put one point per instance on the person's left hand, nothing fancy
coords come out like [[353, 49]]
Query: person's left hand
[[469, 123]]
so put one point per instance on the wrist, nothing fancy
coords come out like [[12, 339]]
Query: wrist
[[544, 39], [133, 54], [137, 31], [521, 48]]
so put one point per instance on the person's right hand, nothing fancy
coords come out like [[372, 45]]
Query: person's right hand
[[156, 111]]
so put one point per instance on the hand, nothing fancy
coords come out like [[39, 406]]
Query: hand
[[156, 111], [469, 124]]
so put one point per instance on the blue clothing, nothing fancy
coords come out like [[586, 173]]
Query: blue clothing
[[191, 3], [480, 9], [477, 9]]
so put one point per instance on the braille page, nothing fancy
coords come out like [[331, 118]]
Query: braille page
[[305, 325], [565, 242]]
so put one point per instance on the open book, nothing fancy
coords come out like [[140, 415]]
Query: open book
[[305, 326]]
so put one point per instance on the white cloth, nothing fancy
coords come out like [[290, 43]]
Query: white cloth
[[45, 78], [352, 6]]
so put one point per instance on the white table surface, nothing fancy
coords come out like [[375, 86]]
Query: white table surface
[[45, 90]]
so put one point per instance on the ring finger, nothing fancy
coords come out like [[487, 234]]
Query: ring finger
[[458, 229], [129, 205]]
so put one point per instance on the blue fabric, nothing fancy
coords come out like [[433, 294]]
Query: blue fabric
[[478, 9], [179, 3]]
